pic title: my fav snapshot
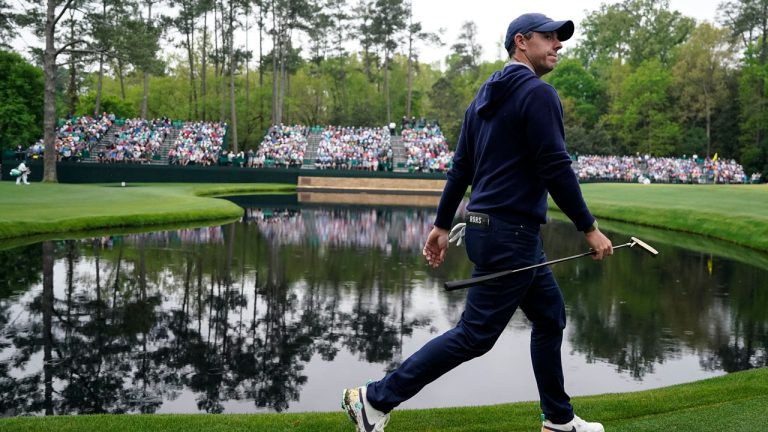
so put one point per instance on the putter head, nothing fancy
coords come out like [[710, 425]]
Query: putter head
[[644, 246]]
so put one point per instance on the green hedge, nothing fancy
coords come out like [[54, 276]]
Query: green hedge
[[74, 172]]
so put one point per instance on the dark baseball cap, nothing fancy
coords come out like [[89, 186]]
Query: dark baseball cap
[[539, 23]]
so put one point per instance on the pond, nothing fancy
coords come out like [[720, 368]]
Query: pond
[[281, 310]]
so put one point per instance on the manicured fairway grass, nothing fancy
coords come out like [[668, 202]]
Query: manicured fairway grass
[[734, 402], [736, 213], [42, 208]]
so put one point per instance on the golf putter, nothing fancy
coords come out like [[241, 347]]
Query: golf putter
[[464, 283]]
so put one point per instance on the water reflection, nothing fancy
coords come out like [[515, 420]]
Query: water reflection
[[277, 312]]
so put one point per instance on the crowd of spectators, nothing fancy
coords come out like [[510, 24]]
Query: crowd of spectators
[[367, 149], [136, 141], [282, 147], [350, 148], [198, 143], [426, 149], [651, 169], [75, 138]]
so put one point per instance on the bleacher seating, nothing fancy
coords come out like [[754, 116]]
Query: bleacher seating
[[136, 141], [651, 169], [420, 147], [426, 149], [75, 138], [367, 149], [198, 143], [282, 147]]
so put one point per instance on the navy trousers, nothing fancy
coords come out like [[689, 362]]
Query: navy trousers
[[488, 309]]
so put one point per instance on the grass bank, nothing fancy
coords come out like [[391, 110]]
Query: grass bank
[[734, 213], [43, 208], [729, 403]]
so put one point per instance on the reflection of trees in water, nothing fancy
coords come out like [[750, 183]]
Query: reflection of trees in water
[[740, 335], [136, 321], [86, 343], [20, 269], [636, 312], [377, 328], [115, 338]]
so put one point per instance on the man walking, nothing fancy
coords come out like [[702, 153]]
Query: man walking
[[511, 150]]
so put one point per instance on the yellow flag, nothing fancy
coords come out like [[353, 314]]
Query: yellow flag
[[714, 158]]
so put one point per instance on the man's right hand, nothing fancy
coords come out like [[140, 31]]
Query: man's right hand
[[435, 247], [599, 243]]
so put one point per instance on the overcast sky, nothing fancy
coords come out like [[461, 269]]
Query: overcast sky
[[493, 16]]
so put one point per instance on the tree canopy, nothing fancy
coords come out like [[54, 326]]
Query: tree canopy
[[21, 101], [643, 78]]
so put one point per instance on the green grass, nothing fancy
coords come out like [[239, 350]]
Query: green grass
[[44, 208], [734, 213], [732, 402]]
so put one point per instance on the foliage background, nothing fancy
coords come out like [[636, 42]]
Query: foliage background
[[642, 79]]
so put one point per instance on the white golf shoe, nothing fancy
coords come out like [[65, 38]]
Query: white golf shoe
[[575, 425], [365, 417]]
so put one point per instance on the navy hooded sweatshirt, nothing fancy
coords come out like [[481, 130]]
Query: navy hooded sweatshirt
[[511, 151]]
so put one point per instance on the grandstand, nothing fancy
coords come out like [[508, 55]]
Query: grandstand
[[651, 169], [133, 141], [367, 149], [162, 142], [421, 149]]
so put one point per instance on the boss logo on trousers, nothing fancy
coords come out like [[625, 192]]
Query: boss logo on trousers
[[478, 219]]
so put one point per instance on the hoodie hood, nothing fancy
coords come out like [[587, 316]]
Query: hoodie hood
[[503, 82]]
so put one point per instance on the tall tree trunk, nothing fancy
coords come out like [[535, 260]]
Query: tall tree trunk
[[409, 82], [145, 95], [49, 97], [191, 59], [262, 14], [121, 78], [72, 90], [223, 63], [709, 127], [367, 63], [248, 120], [100, 82], [203, 66], [283, 83], [232, 105], [387, 97], [216, 55], [275, 78], [99, 86]]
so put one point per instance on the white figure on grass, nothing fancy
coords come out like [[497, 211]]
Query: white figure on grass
[[21, 171]]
